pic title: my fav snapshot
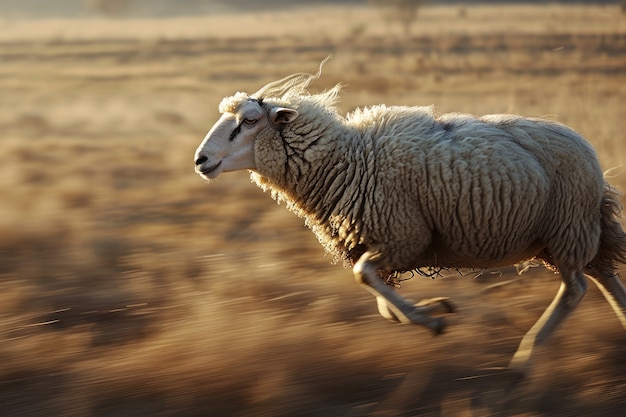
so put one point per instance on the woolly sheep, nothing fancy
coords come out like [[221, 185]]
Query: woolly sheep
[[395, 189]]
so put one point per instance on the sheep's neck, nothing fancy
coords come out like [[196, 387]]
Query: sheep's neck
[[312, 175]]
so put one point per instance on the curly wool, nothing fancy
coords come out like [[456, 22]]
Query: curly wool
[[428, 190]]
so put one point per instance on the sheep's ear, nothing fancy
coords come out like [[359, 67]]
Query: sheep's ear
[[281, 116]]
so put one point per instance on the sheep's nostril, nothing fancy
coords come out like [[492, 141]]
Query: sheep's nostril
[[201, 160]]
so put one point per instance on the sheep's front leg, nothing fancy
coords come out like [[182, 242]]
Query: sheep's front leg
[[390, 304]]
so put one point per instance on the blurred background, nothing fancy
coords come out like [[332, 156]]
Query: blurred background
[[130, 287]]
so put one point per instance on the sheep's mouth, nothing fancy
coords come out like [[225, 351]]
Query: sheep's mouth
[[206, 172]]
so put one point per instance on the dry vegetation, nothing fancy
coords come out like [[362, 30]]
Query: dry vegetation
[[132, 288]]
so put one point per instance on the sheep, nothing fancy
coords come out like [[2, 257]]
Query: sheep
[[391, 189]]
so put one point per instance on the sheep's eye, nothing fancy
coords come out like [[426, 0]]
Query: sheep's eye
[[248, 121]]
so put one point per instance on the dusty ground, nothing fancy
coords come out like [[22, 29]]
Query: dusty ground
[[132, 288]]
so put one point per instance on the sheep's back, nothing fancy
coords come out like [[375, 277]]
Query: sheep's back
[[488, 191]]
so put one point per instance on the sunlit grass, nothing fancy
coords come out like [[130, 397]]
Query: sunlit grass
[[132, 287]]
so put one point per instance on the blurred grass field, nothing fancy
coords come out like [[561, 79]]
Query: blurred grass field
[[132, 288]]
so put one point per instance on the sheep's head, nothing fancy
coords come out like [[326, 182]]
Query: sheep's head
[[229, 145]]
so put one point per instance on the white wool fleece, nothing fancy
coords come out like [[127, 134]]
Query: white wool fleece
[[426, 190]]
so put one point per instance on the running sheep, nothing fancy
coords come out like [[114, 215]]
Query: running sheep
[[395, 189]]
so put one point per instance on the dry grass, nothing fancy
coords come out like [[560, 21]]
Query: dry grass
[[130, 287]]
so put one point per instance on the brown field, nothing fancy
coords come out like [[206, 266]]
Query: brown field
[[130, 287]]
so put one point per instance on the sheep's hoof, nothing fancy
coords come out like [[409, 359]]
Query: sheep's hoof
[[439, 326], [439, 305], [520, 364]]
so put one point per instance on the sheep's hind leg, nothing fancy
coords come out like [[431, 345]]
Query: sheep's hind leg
[[569, 295], [613, 290], [390, 304]]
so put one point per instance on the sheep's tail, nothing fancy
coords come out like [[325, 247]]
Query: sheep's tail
[[612, 237]]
